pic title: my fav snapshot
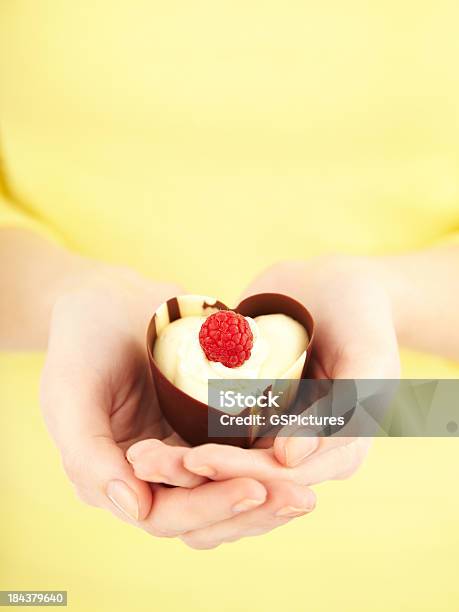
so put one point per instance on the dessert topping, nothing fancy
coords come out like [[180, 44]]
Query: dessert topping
[[225, 336]]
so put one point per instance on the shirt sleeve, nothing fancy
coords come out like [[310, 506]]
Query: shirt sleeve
[[14, 216], [451, 238]]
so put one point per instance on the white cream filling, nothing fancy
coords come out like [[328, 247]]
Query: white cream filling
[[278, 341]]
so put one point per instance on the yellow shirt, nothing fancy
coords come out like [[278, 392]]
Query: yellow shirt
[[199, 142]]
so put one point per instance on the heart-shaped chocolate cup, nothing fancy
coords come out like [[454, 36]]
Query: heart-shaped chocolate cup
[[188, 416]]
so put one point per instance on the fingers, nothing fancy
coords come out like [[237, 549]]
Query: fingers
[[102, 477], [176, 511], [334, 457], [154, 461], [220, 462], [340, 461], [291, 451], [285, 500]]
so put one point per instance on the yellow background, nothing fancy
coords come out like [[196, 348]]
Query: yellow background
[[130, 129]]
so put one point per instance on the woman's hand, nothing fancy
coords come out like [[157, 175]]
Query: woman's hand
[[96, 392], [98, 400], [355, 332], [355, 338]]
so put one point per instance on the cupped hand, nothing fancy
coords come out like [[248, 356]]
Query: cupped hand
[[98, 400], [355, 338], [355, 334], [96, 393]]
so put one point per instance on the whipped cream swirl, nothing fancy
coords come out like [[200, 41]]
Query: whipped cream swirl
[[278, 343]]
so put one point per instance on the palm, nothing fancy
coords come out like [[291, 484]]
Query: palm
[[109, 325], [126, 384], [138, 415]]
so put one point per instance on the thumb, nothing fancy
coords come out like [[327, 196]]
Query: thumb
[[373, 372], [103, 477]]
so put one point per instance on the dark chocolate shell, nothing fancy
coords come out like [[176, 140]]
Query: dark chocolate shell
[[188, 416]]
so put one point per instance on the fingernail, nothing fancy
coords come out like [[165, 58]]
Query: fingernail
[[203, 470], [298, 448], [123, 498], [134, 452], [247, 504], [291, 511]]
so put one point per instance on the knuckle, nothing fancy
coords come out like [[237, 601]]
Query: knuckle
[[201, 455], [208, 449], [283, 491], [159, 529], [250, 488], [166, 466], [291, 494], [143, 472]]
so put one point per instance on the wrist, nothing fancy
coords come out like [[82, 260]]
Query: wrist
[[38, 272], [398, 275]]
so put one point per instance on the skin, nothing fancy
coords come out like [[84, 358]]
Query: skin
[[99, 403]]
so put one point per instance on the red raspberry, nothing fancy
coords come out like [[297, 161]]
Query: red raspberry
[[226, 337]]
